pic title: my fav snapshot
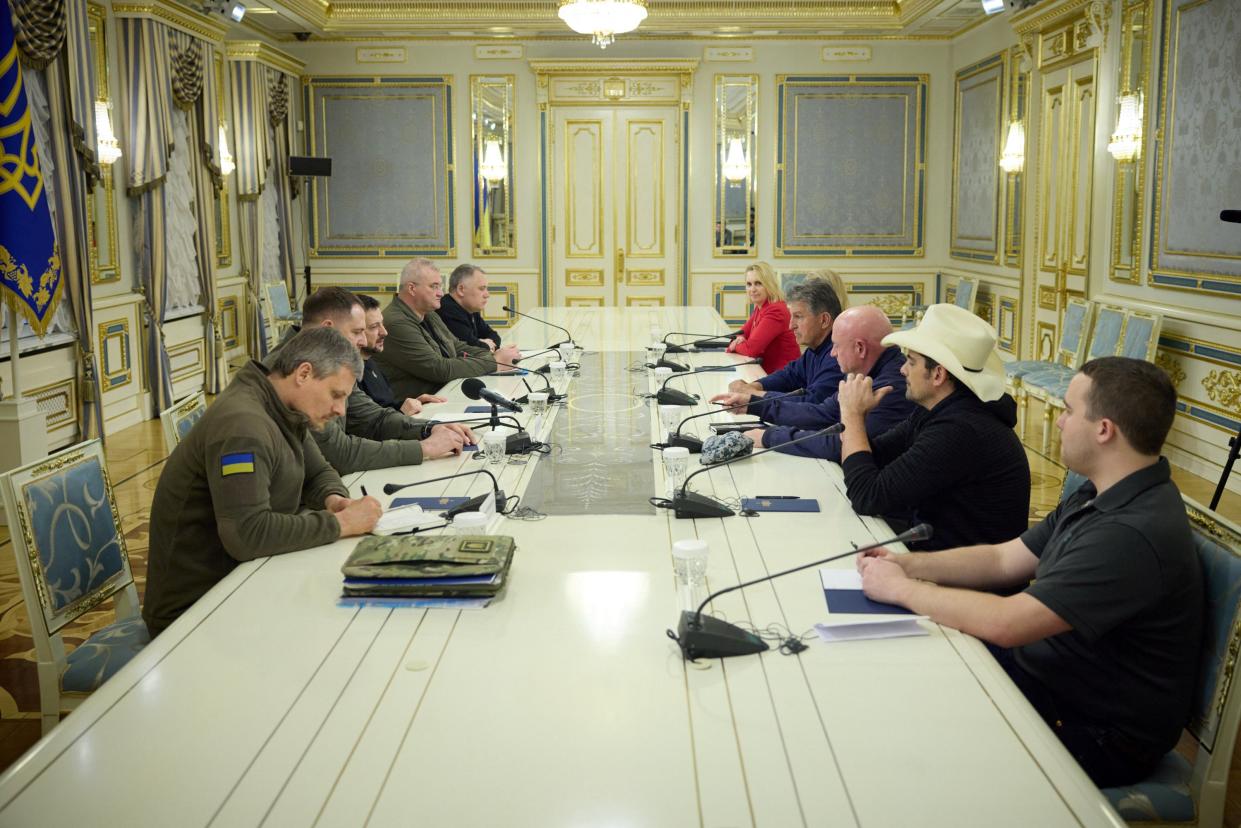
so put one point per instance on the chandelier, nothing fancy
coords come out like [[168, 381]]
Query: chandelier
[[736, 167], [1014, 156], [1126, 141], [106, 145], [602, 19], [493, 169]]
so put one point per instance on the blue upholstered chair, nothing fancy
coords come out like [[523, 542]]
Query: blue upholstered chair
[[1179, 792], [1070, 350], [178, 420], [282, 314], [1072, 482], [1050, 384], [70, 558], [964, 295], [1141, 336]]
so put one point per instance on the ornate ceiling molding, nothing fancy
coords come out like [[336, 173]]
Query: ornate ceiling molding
[[178, 17], [263, 53]]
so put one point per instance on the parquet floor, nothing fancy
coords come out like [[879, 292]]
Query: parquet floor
[[135, 458]]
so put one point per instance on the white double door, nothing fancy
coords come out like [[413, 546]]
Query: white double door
[[615, 206]]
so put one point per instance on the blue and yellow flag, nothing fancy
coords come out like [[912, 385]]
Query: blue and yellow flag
[[30, 274]]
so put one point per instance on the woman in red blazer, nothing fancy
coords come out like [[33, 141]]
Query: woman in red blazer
[[766, 335]]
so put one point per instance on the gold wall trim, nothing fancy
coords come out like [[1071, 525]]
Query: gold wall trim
[[115, 376], [581, 277], [192, 368], [600, 66], [176, 16], [583, 301], [263, 53], [653, 277], [1039, 18], [46, 396]]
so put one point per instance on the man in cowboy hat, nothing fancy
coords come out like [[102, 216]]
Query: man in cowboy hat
[[956, 463], [1105, 643]]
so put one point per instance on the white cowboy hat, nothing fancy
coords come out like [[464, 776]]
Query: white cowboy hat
[[962, 343]]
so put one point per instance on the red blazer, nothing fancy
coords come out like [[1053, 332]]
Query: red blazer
[[768, 336]]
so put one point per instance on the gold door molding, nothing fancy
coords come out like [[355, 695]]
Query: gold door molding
[[613, 156]]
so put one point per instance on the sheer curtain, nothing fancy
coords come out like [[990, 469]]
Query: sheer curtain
[[184, 289]]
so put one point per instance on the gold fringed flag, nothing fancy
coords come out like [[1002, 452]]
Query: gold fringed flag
[[30, 276]]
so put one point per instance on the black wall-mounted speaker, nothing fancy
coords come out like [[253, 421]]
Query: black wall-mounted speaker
[[309, 165]]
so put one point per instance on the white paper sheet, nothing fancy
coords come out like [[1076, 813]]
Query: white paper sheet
[[895, 626]]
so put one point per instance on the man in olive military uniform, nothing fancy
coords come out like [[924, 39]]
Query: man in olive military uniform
[[248, 481], [371, 436], [421, 354]]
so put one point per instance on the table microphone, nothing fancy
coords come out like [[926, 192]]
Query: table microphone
[[671, 396], [701, 636], [552, 396], [474, 388], [679, 440], [513, 310], [471, 505], [680, 349], [687, 504]]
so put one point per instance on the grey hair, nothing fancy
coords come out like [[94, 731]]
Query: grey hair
[[326, 349], [414, 270], [460, 273], [819, 296]]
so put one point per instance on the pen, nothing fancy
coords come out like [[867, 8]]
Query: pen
[[364, 492], [777, 497]]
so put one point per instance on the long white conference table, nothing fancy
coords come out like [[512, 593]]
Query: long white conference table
[[563, 703]]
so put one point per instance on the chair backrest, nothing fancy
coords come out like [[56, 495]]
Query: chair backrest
[[1109, 323], [1073, 328], [1217, 708], [178, 420], [967, 287], [1072, 482], [278, 297], [67, 538], [1141, 336]]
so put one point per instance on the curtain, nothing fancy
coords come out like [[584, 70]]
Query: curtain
[[252, 138], [62, 102], [278, 113]]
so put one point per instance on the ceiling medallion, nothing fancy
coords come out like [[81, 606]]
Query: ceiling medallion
[[602, 19]]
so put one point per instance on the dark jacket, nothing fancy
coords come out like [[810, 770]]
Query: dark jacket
[[376, 386], [959, 466], [421, 355], [470, 328], [370, 436], [236, 488], [816, 371], [798, 420]]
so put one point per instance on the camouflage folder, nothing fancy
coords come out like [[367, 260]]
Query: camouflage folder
[[430, 556]]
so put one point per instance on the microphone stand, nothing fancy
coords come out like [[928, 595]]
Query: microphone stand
[[708, 637], [671, 396], [678, 440], [471, 505], [513, 310], [684, 348], [687, 504]]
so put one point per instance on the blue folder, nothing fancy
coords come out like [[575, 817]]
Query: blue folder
[[795, 504], [854, 600], [430, 504]]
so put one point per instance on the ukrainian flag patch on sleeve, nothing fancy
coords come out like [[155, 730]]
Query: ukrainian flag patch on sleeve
[[237, 463]]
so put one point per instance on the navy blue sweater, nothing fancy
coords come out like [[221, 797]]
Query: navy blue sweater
[[816, 371], [798, 419]]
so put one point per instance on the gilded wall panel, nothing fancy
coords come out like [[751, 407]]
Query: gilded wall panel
[[730, 302], [391, 189], [850, 165], [584, 188], [502, 294], [115, 360], [1207, 376], [893, 299], [1198, 157], [975, 161]]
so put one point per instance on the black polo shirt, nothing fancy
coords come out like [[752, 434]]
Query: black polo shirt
[[1120, 568]]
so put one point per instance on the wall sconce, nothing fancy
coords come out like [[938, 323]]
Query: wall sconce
[[227, 164], [1013, 159], [106, 146], [736, 166], [493, 168], [1126, 143]]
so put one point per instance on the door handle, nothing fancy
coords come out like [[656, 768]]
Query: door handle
[[620, 262]]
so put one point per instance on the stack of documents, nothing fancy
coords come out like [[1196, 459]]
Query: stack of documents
[[842, 588], [420, 567]]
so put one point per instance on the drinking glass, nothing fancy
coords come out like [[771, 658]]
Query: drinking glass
[[538, 403], [494, 447], [676, 464], [558, 373], [470, 523], [689, 563], [669, 416], [566, 352]]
